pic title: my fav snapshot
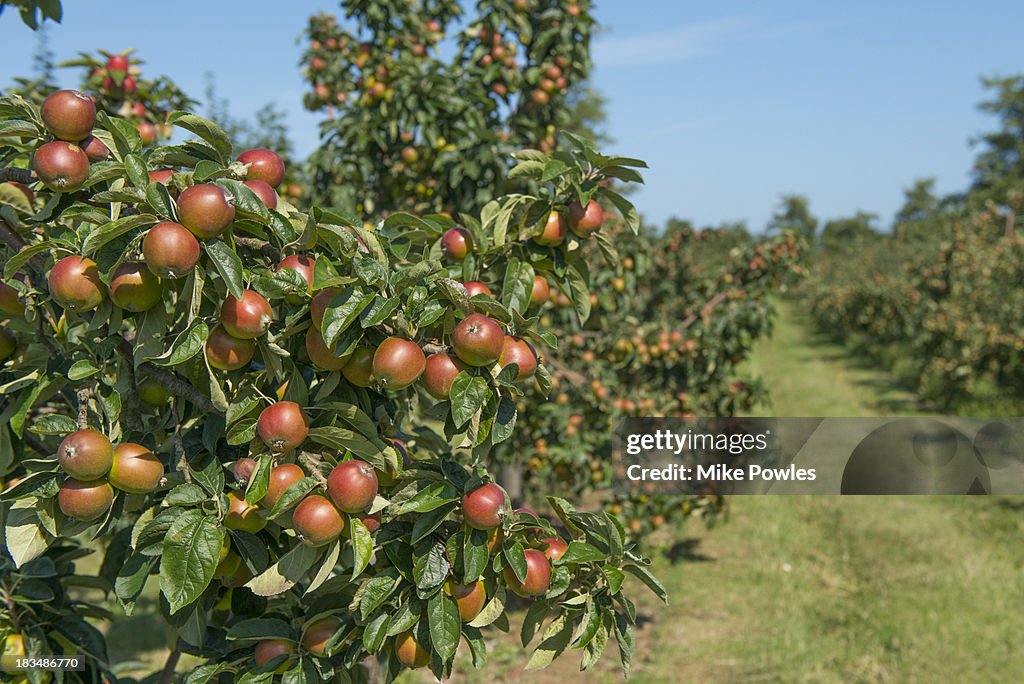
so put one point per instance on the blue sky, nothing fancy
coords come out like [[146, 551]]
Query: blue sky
[[731, 103]]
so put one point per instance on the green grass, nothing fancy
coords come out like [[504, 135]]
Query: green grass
[[808, 375]]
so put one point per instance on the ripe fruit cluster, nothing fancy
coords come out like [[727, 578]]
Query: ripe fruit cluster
[[94, 467], [62, 165]]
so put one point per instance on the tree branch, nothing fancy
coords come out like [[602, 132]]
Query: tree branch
[[431, 348], [177, 386], [82, 394], [181, 465], [170, 665], [704, 310], [23, 176], [130, 405], [17, 243], [257, 245], [171, 382], [312, 463]]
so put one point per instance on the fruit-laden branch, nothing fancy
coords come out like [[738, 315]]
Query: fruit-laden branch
[[23, 176], [261, 246], [168, 380], [704, 310], [17, 243]]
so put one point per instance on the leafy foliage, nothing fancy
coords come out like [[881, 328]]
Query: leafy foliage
[[234, 573]]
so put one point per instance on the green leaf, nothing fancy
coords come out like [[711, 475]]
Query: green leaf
[[187, 344], [53, 424], [205, 129], [136, 170], [362, 545], [648, 579], [504, 420], [373, 635], [342, 310], [15, 263], [532, 621], [112, 230], [429, 565], [432, 496], [376, 590], [285, 573], [494, 609], [159, 199], [579, 292], [186, 494], [581, 552], [553, 169], [344, 438], [259, 482], [255, 629], [556, 639], [428, 522], [516, 557], [626, 208], [292, 496], [228, 265], [444, 621], [474, 555], [326, 566], [191, 552], [468, 394], [25, 538], [614, 577]]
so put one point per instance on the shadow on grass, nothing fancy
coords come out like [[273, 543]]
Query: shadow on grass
[[142, 631], [1015, 504], [686, 551]]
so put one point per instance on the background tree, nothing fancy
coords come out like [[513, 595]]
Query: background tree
[[850, 230], [451, 119], [794, 215], [917, 218]]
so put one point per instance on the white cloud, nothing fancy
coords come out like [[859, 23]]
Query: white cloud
[[692, 40]]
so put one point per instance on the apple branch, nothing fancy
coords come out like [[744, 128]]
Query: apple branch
[[82, 394], [704, 310], [431, 348], [181, 465], [312, 463], [16, 175], [257, 245], [172, 383], [17, 243]]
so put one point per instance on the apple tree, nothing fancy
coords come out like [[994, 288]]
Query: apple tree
[[237, 402], [451, 117]]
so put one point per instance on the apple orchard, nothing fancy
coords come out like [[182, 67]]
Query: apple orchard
[[304, 400]]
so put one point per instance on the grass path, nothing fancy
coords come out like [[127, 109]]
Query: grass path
[[808, 375]]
